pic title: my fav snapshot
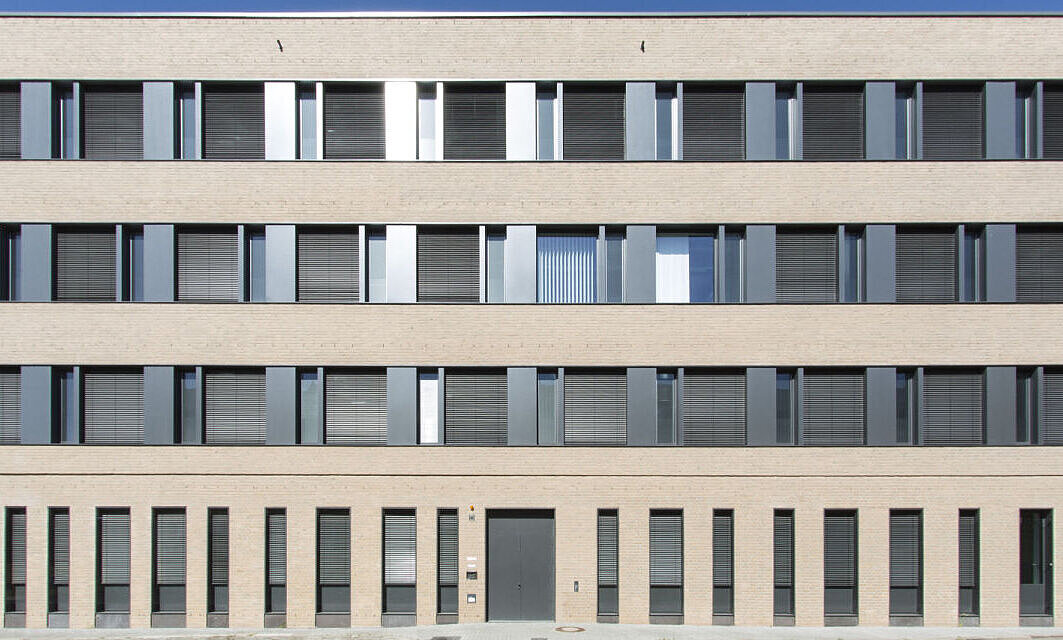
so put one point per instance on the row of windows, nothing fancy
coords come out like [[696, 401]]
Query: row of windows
[[597, 407], [468, 264], [561, 120]]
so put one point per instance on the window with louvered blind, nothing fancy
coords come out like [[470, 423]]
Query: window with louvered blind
[[15, 561], [1052, 122], [328, 268], [400, 561], [354, 121], [567, 267], [608, 562], [10, 406], [595, 408], [839, 563], [475, 407], [723, 547], [112, 560], [333, 561], [1051, 431], [169, 550], [806, 266], [832, 405], [235, 406], [474, 121], [833, 122], [447, 561], [208, 265], [58, 560], [448, 265], [85, 264], [356, 407], [783, 561], [218, 560], [953, 122], [953, 408], [113, 406], [926, 265], [714, 121], [714, 408], [592, 121], [968, 561], [906, 562], [233, 122], [666, 561], [112, 121], [276, 560], [1039, 264], [10, 121]]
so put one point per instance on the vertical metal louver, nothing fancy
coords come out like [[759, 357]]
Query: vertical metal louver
[[833, 122], [474, 121], [1052, 408], [608, 548], [334, 547], [235, 407], [208, 266], [1052, 122], [85, 265], [400, 547], [447, 563], [968, 561], [714, 409], [233, 122], [113, 555], [112, 121], [328, 269], [475, 406], [356, 408], [832, 407], [114, 407], [953, 408], [276, 547], [10, 406], [839, 558], [953, 122], [906, 561], [1038, 265], [59, 547], [593, 121], [218, 552], [926, 265], [806, 266], [354, 121], [666, 548], [722, 548], [596, 408], [714, 122], [448, 266], [170, 546], [16, 546], [10, 121], [783, 547]]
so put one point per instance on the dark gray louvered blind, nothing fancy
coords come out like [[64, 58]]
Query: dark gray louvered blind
[[113, 527], [1038, 265], [170, 547], [112, 121], [85, 265], [10, 406], [593, 122], [59, 550], [218, 537], [474, 121], [328, 266], [783, 542], [952, 408], [207, 266], [354, 121], [839, 550], [608, 548], [1052, 406], [926, 265], [235, 407], [952, 122], [969, 549], [114, 407], [806, 266], [400, 547], [666, 548], [276, 547], [10, 122], [722, 548], [833, 408], [16, 546], [1052, 133], [233, 122], [356, 408], [448, 266], [334, 547], [833, 122], [595, 408], [906, 548], [714, 122], [475, 408], [447, 520], [714, 409]]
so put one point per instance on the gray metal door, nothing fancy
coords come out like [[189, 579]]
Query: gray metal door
[[520, 565], [1035, 562]]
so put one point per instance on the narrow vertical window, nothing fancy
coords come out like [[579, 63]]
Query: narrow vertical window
[[10, 405], [428, 407], [785, 116], [310, 396], [168, 548], [666, 408], [852, 265], [112, 561], [1025, 407], [547, 410], [905, 407], [546, 118], [1035, 562], [276, 561], [970, 557], [377, 268], [667, 109], [13, 264], [973, 265], [218, 560], [307, 121], [191, 424], [334, 561], [614, 266], [723, 547], [69, 409], [840, 554], [256, 265], [666, 564], [15, 563], [906, 564], [134, 265], [784, 407], [608, 564], [186, 130], [400, 562], [447, 562], [426, 121], [904, 113], [58, 561], [783, 546], [66, 119], [496, 266], [734, 266], [1025, 122]]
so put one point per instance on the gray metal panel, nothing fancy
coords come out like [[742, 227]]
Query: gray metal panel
[[999, 120], [520, 565], [1000, 390], [880, 263], [401, 259], [37, 427], [760, 121], [281, 417], [36, 263], [1000, 263], [760, 262], [159, 387], [760, 406], [519, 265], [641, 406], [520, 121], [640, 264], [881, 406], [36, 107], [522, 389], [402, 405], [158, 121], [640, 135], [280, 117], [880, 121], [158, 263], [280, 263]]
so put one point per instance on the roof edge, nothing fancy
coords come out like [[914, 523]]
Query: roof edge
[[530, 14]]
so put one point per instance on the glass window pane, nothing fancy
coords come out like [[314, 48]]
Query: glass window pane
[[972, 276], [135, 262], [614, 267], [903, 109], [904, 407], [665, 408], [496, 265], [67, 116], [1025, 412], [783, 99], [257, 262], [852, 274], [545, 99], [784, 416], [189, 407], [702, 268], [673, 268], [309, 405], [14, 270], [377, 268], [68, 401], [665, 97], [429, 408], [308, 122], [733, 266], [426, 121], [547, 408], [188, 122]]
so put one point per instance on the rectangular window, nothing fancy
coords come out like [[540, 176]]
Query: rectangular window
[[667, 110], [307, 115], [113, 406], [783, 548], [927, 265], [953, 117], [595, 408], [806, 266], [734, 285], [428, 407], [191, 421], [785, 122], [496, 266], [723, 548], [1052, 122], [1025, 406], [427, 134], [447, 561], [85, 264], [685, 268], [218, 560], [133, 269], [714, 408], [112, 121], [208, 265], [666, 408], [905, 114], [567, 267], [547, 415], [906, 562], [1025, 121], [234, 121], [474, 121], [666, 562], [475, 407], [953, 408], [614, 266], [10, 121], [185, 125], [327, 265], [1035, 562], [354, 121], [15, 561], [112, 560], [235, 406], [333, 561], [973, 265], [68, 406], [970, 558], [310, 396], [58, 560], [256, 265], [832, 408], [608, 562], [12, 264], [400, 561], [168, 549], [840, 555], [905, 407], [1039, 263], [356, 407], [10, 405], [546, 119], [714, 121], [377, 246], [276, 560], [785, 415], [448, 265], [852, 265], [65, 139], [593, 121], [832, 122]]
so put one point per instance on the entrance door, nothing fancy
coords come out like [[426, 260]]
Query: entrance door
[[1035, 562], [520, 564]]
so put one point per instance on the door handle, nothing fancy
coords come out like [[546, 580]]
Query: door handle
[[518, 586]]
